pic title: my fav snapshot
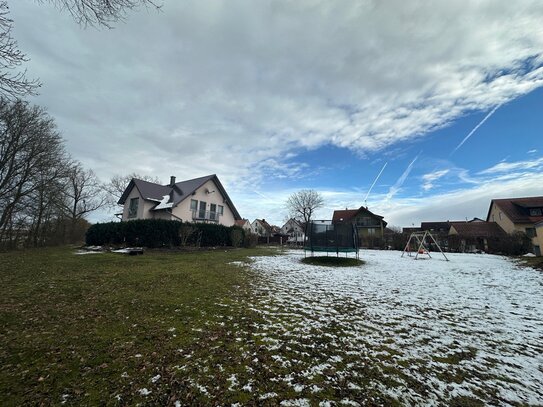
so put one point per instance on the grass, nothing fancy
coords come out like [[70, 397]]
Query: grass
[[92, 328], [535, 262], [332, 261], [198, 329]]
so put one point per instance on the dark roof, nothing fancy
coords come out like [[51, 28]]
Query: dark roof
[[411, 230], [345, 215], [265, 224], [518, 209], [478, 229], [436, 226], [178, 192]]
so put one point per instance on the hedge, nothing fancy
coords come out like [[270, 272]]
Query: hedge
[[162, 233]]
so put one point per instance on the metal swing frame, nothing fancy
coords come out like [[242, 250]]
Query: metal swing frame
[[420, 238]]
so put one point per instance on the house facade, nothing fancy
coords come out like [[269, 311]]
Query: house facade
[[201, 199], [520, 215], [371, 227], [261, 228], [475, 236], [244, 224], [294, 231]]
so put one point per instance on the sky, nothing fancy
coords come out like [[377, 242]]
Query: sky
[[279, 96]]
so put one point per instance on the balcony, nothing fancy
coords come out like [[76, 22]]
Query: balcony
[[205, 216]]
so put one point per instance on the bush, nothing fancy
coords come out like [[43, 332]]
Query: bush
[[161, 233], [250, 240], [236, 237]]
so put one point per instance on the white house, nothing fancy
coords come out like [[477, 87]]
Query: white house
[[261, 228], [295, 232], [201, 199]]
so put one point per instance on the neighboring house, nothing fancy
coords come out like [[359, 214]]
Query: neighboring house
[[261, 228], [410, 230], [244, 224], [371, 227], [295, 232], [520, 215], [201, 199], [476, 236]]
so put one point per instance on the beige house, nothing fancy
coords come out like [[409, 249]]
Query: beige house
[[295, 232], [520, 215], [201, 199], [370, 226]]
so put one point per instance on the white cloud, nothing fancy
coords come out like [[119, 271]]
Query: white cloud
[[220, 86], [237, 88], [514, 166], [430, 178]]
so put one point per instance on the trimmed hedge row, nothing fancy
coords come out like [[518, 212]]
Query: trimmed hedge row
[[163, 233]]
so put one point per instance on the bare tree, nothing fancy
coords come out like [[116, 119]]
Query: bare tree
[[118, 183], [302, 204], [83, 193], [29, 148], [100, 12], [13, 82]]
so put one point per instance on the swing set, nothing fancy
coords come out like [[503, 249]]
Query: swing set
[[419, 240]]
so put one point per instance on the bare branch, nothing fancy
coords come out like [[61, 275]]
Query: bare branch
[[100, 12], [303, 204], [13, 82]]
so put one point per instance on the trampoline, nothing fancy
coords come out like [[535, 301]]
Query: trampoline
[[323, 236]]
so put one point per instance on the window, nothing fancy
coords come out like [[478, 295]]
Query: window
[[133, 208], [371, 231], [193, 204], [535, 212], [221, 210], [202, 211], [530, 232], [212, 211]]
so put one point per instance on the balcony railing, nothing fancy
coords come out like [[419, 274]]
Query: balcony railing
[[205, 215]]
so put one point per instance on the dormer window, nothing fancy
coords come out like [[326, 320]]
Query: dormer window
[[535, 212]]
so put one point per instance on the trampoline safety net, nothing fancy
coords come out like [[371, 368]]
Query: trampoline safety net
[[338, 238]]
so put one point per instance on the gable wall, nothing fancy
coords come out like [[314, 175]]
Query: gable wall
[[143, 206], [183, 209]]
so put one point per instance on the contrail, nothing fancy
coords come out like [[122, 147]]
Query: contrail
[[396, 187], [372, 185], [476, 127]]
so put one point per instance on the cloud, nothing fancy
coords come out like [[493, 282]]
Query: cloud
[[505, 167], [430, 178], [206, 86]]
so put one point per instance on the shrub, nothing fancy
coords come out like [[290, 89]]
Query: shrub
[[250, 240], [162, 233], [236, 237]]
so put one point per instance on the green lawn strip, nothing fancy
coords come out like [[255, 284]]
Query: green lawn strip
[[95, 326]]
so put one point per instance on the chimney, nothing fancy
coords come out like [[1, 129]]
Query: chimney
[[172, 181]]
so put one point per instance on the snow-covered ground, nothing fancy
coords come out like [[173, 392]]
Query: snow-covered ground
[[425, 331]]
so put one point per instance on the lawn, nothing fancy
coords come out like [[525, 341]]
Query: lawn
[[109, 328], [259, 327]]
